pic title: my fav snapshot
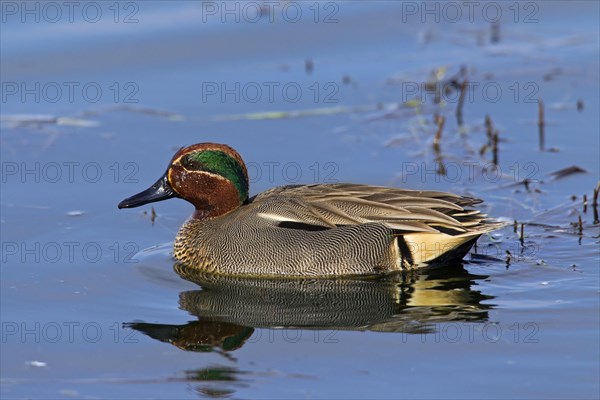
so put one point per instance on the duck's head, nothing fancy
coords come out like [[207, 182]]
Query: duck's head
[[213, 177]]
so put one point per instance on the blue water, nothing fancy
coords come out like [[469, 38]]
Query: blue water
[[75, 269]]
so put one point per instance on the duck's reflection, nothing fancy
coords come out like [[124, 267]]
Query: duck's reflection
[[201, 335], [228, 309]]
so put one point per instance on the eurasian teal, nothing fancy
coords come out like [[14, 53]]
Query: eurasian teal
[[317, 230]]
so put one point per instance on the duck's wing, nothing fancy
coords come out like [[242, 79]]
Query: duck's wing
[[405, 211]]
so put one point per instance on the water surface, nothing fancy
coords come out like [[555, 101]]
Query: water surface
[[93, 305]]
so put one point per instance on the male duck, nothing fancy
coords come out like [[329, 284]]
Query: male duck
[[307, 230]]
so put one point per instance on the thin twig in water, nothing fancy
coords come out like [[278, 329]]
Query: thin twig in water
[[492, 140], [508, 258], [489, 128], [439, 120], [585, 203], [565, 172], [595, 204], [541, 123], [522, 239], [461, 102], [495, 148], [488, 132]]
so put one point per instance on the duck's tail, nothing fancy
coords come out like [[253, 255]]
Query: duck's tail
[[443, 246]]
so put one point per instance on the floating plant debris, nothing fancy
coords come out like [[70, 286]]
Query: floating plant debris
[[17, 120], [149, 111], [309, 66], [152, 215], [35, 363], [565, 172]]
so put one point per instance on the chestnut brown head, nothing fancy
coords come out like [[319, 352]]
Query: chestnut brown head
[[213, 177]]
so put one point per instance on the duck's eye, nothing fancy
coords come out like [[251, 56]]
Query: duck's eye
[[190, 163]]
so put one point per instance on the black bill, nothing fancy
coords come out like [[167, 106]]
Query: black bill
[[161, 190]]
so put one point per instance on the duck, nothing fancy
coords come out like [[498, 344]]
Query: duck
[[308, 231]]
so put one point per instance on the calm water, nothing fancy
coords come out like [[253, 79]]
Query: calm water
[[92, 110]]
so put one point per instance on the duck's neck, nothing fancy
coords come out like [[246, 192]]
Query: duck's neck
[[219, 203], [201, 214], [211, 194]]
